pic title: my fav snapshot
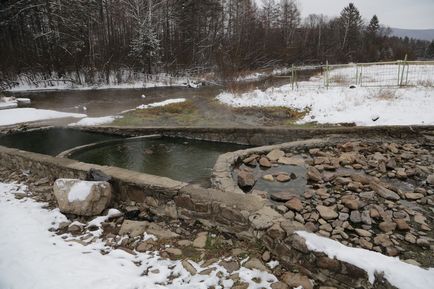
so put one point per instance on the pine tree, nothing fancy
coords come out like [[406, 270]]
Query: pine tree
[[374, 26], [145, 45], [351, 24]]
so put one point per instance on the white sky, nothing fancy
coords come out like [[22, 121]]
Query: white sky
[[410, 14]]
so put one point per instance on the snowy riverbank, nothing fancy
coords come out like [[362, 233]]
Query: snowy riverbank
[[121, 79], [363, 106], [377, 102], [23, 115]]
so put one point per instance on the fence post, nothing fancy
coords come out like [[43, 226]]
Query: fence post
[[402, 72], [361, 76], [324, 70], [399, 71], [406, 77], [327, 75], [292, 76], [357, 74]]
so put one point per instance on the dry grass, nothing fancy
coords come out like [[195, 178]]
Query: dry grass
[[177, 113], [175, 108], [425, 83], [340, 79], [237, 88], [385, 94], [276, 115]]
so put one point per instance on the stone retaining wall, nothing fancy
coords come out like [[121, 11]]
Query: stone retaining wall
[[268, 136], [163, 196]]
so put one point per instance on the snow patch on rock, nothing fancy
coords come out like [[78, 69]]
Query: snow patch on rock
[[80, 191]]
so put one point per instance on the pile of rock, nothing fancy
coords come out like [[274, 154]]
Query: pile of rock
[[375, 196], [247, 178]]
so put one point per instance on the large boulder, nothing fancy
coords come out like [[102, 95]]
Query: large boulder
[[83, 198]]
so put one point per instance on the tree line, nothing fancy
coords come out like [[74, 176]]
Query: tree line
[[175, 36]]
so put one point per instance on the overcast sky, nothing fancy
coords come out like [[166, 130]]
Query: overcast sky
[[411, 14]]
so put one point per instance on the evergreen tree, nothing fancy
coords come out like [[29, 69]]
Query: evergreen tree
[[144, 46], [351, 25], [374, 26]]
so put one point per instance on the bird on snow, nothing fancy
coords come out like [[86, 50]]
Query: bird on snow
[[143, 96]]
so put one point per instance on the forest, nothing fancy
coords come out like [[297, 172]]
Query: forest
[[224, 37]]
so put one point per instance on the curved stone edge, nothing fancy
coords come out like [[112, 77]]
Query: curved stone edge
[[74, 150], [222, 173]]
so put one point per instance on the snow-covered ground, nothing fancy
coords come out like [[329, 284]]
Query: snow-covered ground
[[22, 115], [156, 104], [361, 105], [162, 103], [400, 274], [263, 74], [90, 121], [383, 75], [12, 102], [33, 257]]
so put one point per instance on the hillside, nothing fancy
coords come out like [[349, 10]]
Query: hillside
[[423, 34]]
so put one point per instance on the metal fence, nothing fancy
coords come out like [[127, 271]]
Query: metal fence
[[399, 73]]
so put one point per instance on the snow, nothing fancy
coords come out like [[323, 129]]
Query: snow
[[33, 257], [9, 104], [400, 274], [23, 100], [21, 115], [90, 121], [393, 106], [79, 191], [161, 103], [12, 102], [273, 264], [260, 75]]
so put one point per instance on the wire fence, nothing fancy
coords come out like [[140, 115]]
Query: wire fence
[[399, 73]]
